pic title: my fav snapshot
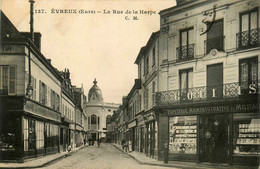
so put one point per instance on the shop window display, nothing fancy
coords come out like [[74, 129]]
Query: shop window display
[[7, 135], [246, 129], [183, 135]]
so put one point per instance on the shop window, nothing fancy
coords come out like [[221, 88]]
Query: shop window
[[7, 135], [7, 80], [248, 75], [39, 134], [155, 136], [246, 138], [25, 134], [52, 137], [183, 134]]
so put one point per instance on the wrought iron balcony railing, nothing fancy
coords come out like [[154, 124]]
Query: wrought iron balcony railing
[[214, 43], [185, 52], [206, 93], [248, 39]]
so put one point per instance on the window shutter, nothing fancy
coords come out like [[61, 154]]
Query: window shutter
[[45, 94]]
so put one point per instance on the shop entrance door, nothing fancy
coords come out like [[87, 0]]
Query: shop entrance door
[[214, 138]]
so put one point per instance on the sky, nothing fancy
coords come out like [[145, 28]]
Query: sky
[[91, 44]]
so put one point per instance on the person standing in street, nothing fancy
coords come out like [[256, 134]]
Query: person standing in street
[[166, 153], [123, 143], [98, 142]]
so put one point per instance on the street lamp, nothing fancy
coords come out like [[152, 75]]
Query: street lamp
[[29, 89]]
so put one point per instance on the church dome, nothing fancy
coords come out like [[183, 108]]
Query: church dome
[[95, 93]]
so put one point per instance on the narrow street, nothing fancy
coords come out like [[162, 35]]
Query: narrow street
[[105, 157]]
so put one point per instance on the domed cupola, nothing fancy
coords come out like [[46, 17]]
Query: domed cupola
[[95, 94]]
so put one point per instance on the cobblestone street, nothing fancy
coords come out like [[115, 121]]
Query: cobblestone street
[[105, 157]]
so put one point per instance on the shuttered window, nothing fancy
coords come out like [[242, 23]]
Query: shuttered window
[[7, 80]]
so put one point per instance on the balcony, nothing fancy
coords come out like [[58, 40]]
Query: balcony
[[248, 39], [214, 43], [185, 53], [207, 93]]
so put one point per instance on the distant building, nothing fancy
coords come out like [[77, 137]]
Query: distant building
[[98, 113], [67, 130], [80, 116]]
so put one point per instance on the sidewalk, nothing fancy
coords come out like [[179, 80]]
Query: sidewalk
[[40, 161], [143, 159]]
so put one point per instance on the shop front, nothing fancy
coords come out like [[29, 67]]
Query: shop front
[[141, 135], [151, 125], [132, 128], [220, 132], [27, 129]]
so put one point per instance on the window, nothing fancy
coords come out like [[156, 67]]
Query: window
[[186, 49], [43, 93], [139, 70], [93, 122], [248, 75], [215, 36], [8, 137], [154, 55], [248, 35], [52, 135], [25, 133], [186, 82], [32, 134], [245, 140], [146, 65], [140, 102], [153, 93], [33, 80], [146, 98], [183, 134], [7, 80], [39, 134]]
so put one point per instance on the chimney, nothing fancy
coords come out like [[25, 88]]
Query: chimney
[[31, 19]]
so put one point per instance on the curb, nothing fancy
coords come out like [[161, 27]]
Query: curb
[[183, 166], [47, 162]]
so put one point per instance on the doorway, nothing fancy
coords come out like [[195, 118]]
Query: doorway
[[214, 138]]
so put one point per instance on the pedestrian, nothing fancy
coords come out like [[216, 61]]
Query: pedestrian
[[85, 141], [98, 142], [130, 146], [123, 143], [126, 146], [166, 152]]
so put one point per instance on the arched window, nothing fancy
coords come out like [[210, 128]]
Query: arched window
[[93, 119], [108, 119]]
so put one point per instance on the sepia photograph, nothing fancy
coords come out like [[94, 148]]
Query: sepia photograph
[[130, 84]]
